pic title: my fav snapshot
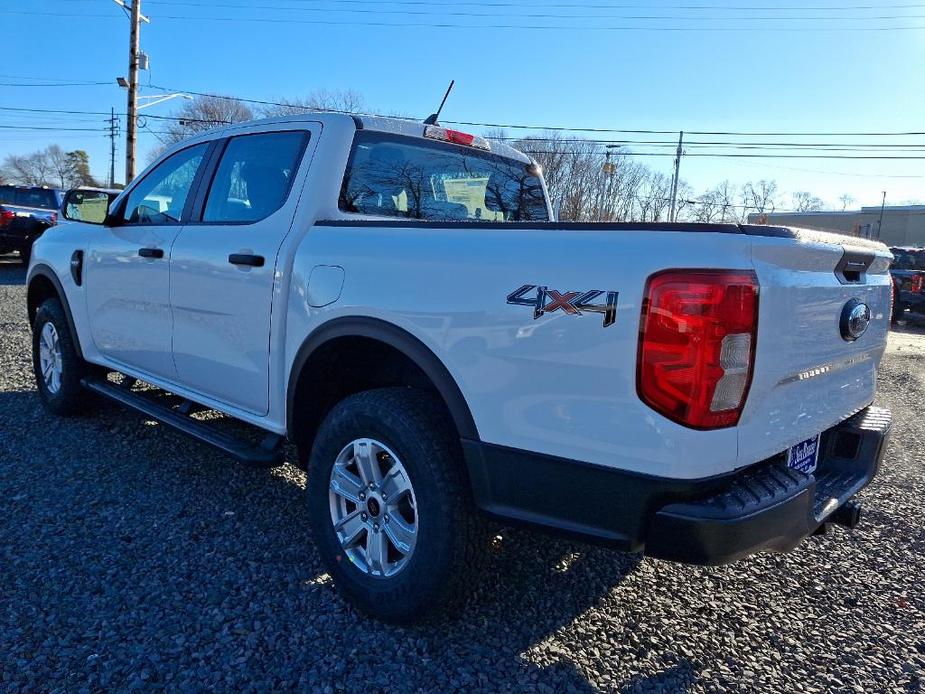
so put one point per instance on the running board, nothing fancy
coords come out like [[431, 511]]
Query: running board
[[266, 454]]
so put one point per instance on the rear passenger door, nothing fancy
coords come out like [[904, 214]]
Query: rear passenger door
[[223, 263]]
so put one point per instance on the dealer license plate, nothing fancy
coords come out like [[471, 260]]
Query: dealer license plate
[[805, 455]]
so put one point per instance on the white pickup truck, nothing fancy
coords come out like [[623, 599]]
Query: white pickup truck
[[394, 298]]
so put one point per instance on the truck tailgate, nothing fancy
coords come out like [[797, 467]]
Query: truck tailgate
[[808, 376]]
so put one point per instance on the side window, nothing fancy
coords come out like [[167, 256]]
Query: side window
[[254, 176], [160, 196]]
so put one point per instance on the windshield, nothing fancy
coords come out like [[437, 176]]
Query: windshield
[[397, 176], [28, 197], [905, 259]]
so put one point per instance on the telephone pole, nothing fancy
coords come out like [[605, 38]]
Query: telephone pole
[[880, 221], [131, 123], [113, 134], [672, 212]]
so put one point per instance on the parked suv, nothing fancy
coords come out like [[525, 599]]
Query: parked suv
[[396, 299], [908, 272], [25, 213]]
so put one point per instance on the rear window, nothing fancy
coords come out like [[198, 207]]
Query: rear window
[[905, 259], [28, 197], [396, 176]]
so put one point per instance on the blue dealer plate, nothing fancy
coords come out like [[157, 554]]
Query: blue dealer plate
[[805, 455]]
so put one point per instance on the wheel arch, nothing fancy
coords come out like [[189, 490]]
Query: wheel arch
[[394, 341], [43, 284]]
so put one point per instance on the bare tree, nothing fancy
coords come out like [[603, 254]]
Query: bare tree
[[708, 207], [845, 200], [654, 199], [205, 113], [804, 201], [51, 166], [759, 196], [341, 100]]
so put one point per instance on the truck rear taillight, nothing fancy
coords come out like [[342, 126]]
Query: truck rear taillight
[[697, 345], [918, 282], [6, 216]]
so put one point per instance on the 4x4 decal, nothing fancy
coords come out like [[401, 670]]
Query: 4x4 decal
[[545, 300]]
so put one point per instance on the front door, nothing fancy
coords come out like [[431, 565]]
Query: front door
[[127, 268], [223, 266]]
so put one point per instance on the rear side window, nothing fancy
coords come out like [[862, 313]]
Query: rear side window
[[396, 176], [254, 176], [908, 260]]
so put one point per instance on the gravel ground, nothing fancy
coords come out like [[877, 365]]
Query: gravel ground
[[131, 558]]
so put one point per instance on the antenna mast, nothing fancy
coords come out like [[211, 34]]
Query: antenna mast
[[432, 118]]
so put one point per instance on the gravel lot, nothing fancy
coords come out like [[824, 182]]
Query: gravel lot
[[131, 558]]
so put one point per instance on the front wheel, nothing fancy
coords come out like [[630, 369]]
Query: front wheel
[[55, 361], [390, 507]]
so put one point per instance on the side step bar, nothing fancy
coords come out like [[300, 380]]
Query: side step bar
[[266, 454]]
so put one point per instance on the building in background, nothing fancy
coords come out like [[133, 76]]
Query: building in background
[[903, 225]]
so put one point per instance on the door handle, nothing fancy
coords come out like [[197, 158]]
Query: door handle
[[246, 259], [151, 252]]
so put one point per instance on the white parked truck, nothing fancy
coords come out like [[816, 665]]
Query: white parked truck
[[395, 299]]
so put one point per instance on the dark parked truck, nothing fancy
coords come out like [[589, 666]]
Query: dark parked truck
[[908, 272], [25, 213]]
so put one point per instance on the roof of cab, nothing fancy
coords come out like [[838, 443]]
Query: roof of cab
[[398, 126]]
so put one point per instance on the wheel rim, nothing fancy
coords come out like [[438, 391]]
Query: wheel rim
[[50, 358], [373, 508]]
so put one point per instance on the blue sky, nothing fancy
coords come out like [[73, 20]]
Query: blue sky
[[739, 66]]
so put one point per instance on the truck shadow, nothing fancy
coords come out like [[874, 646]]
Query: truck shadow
[[119, 522]]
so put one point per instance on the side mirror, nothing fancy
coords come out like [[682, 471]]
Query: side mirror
[[88, 206]]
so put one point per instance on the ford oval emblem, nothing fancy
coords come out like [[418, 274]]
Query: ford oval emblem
[[855, 318]]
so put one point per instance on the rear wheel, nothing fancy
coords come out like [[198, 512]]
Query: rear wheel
[[390, 508], [57, 365]]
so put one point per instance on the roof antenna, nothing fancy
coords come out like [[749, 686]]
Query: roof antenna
[[432, 118]]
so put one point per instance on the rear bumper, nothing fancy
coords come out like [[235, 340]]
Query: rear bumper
[[766, 507], [18, 239], [772, 507]]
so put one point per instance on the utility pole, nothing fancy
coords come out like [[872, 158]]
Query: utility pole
[[880, 223], [674, 181], [113, 134], [131, 123]]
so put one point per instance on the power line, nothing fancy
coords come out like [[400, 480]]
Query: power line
[[561, 128], [43, 127], [755, 156], [56, 84], [429, 12], [451, 25], [835, 146], [585, 5], [106, 113]]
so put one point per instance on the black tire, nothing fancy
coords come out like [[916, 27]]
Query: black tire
[[70, 396], [451, 543]]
